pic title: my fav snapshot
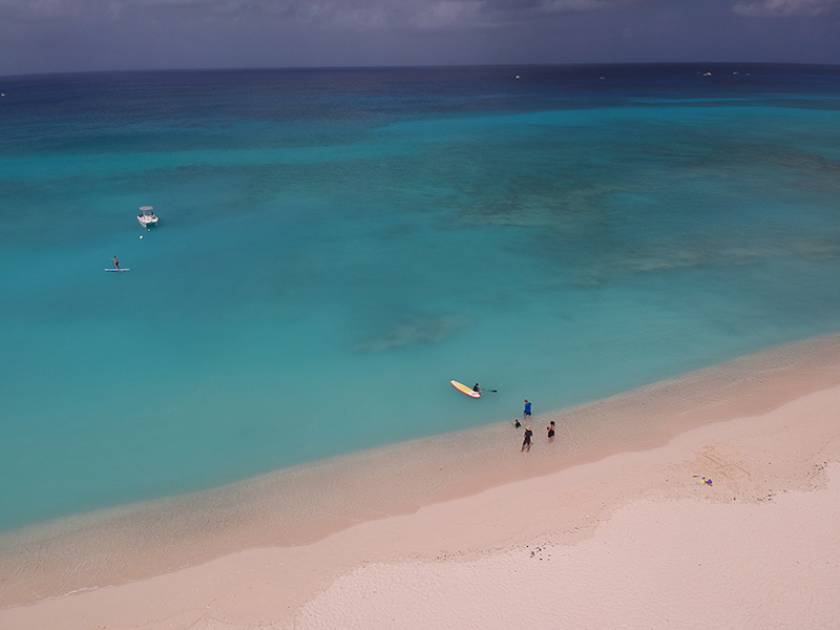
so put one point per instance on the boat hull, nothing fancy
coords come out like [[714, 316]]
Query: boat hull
[[146, 223]]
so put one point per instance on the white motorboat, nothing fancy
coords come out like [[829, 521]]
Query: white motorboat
[[146, 217]]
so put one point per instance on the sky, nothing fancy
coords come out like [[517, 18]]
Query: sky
[[77, 35]]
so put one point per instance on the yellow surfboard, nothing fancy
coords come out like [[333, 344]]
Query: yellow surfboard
[[467, 391]]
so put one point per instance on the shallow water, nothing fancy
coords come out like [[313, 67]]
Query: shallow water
[[336, 245]]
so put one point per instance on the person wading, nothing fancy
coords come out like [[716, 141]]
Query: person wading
[[526, 443]]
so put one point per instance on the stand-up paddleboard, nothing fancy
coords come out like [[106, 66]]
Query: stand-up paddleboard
[[112, 270], [467, 391]]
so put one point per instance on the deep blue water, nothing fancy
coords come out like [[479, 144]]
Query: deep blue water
[[337, 244]]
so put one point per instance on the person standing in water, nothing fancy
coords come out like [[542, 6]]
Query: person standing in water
[[116, 262], [550, 430], [526, 412], [526, 442]]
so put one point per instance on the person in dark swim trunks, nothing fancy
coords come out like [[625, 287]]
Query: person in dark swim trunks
[[116, 262], [476, 388], [516, 423], [526, 443], [526, 412], [550, 429]]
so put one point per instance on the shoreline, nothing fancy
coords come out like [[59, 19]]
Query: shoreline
[[294, 511]]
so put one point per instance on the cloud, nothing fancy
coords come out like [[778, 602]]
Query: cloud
[[785, 8], [437, 15], [422, 15], [34, 9], [555, 6]]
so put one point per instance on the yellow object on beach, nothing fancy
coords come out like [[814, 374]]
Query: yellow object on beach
[[464, 389]]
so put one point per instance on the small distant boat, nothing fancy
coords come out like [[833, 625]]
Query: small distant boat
[[146, 217]]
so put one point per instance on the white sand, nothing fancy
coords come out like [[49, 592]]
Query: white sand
[[634, 540], [677, 564], [743, 553]]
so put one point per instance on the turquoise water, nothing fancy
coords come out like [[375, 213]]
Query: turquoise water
[[336, 245]]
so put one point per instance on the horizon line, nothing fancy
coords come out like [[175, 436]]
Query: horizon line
[[420, 66]]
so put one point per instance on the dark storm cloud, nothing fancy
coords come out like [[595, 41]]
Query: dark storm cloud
[[58, 35]]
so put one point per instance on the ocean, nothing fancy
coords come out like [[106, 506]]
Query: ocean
[[337, 244]]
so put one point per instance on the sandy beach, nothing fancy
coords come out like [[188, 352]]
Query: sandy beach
[[711, 500]]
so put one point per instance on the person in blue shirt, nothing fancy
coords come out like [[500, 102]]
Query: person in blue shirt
[[526, 413]]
